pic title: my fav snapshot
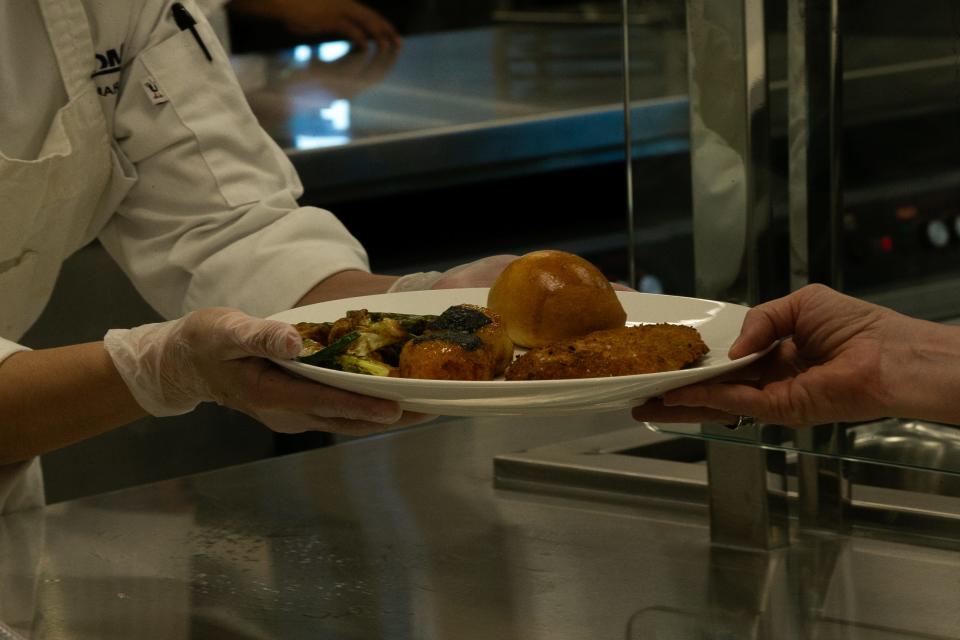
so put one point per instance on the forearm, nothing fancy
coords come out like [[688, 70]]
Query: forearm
[[929, 375], [54, 397], [347, 284]]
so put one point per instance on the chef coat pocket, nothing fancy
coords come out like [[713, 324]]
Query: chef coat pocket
[[246, 164]]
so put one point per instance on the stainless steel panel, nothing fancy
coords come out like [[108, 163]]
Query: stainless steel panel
[[403, 536]]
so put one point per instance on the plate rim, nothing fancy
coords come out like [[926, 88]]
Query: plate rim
[[477, 398], [718, 367]]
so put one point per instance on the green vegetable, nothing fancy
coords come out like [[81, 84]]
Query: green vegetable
[[411, 323], [337, 356], [354, 364], [326, 357], [380, 332]]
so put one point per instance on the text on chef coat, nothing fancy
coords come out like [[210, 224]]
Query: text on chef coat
[[109, 62]]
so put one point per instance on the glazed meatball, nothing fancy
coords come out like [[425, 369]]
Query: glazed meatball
[[446, 355]]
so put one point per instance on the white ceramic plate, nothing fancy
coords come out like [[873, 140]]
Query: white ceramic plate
[[718, 324]]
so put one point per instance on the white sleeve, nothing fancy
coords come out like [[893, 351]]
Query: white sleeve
[[21, 484], [213, 218], [8, 348]]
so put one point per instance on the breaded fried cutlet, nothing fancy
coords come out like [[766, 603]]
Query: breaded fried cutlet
[[612, 352]]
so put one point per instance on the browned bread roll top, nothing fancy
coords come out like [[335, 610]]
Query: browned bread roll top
[[547, 296]]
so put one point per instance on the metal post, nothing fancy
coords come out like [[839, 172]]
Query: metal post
[[815, 81], [814, 104], [628, 147], [823, 483], [729, 137], [730, 147], [747, 493]]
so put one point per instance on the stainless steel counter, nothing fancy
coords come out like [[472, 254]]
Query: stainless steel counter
[[405, 536]]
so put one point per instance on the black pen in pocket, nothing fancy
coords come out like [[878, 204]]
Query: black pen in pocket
[[186, 21]]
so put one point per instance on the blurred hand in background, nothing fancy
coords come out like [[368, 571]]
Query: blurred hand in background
[[348, 19]]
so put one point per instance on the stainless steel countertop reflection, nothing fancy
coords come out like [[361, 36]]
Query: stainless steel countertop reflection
[[503, 99], [512, 99], [405, 536]]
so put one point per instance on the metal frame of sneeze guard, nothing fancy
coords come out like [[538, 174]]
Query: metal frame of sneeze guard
[[729, 141], [815, 84], [730, 146]]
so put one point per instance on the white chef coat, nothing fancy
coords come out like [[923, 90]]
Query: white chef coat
[[201, 209], [216, 13]]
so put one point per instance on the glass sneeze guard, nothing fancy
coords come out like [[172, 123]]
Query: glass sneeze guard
[[896, 236], [907, 444]]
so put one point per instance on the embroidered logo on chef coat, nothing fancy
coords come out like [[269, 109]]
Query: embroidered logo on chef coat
[[108, 62], [154, 92]]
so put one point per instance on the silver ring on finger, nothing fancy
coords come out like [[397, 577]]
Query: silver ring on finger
[[742, 421]]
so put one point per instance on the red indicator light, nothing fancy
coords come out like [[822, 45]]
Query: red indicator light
[[886, 244]]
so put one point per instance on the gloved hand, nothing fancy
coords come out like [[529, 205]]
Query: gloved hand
[[219, 355], [479, 273]]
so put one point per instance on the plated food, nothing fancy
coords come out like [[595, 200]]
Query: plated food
[[556, 302], [718, 323], [548, 296], [625, 351], [465, 342]]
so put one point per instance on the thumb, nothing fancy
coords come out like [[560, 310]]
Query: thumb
[[249, 336], [762, 326]]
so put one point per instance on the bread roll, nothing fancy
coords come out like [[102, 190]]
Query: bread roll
[[548, 296]]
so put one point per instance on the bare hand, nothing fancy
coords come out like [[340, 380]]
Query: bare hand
[[837, 361]]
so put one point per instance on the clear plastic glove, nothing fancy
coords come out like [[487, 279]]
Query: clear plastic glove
[[219, 355], [479, 273]]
